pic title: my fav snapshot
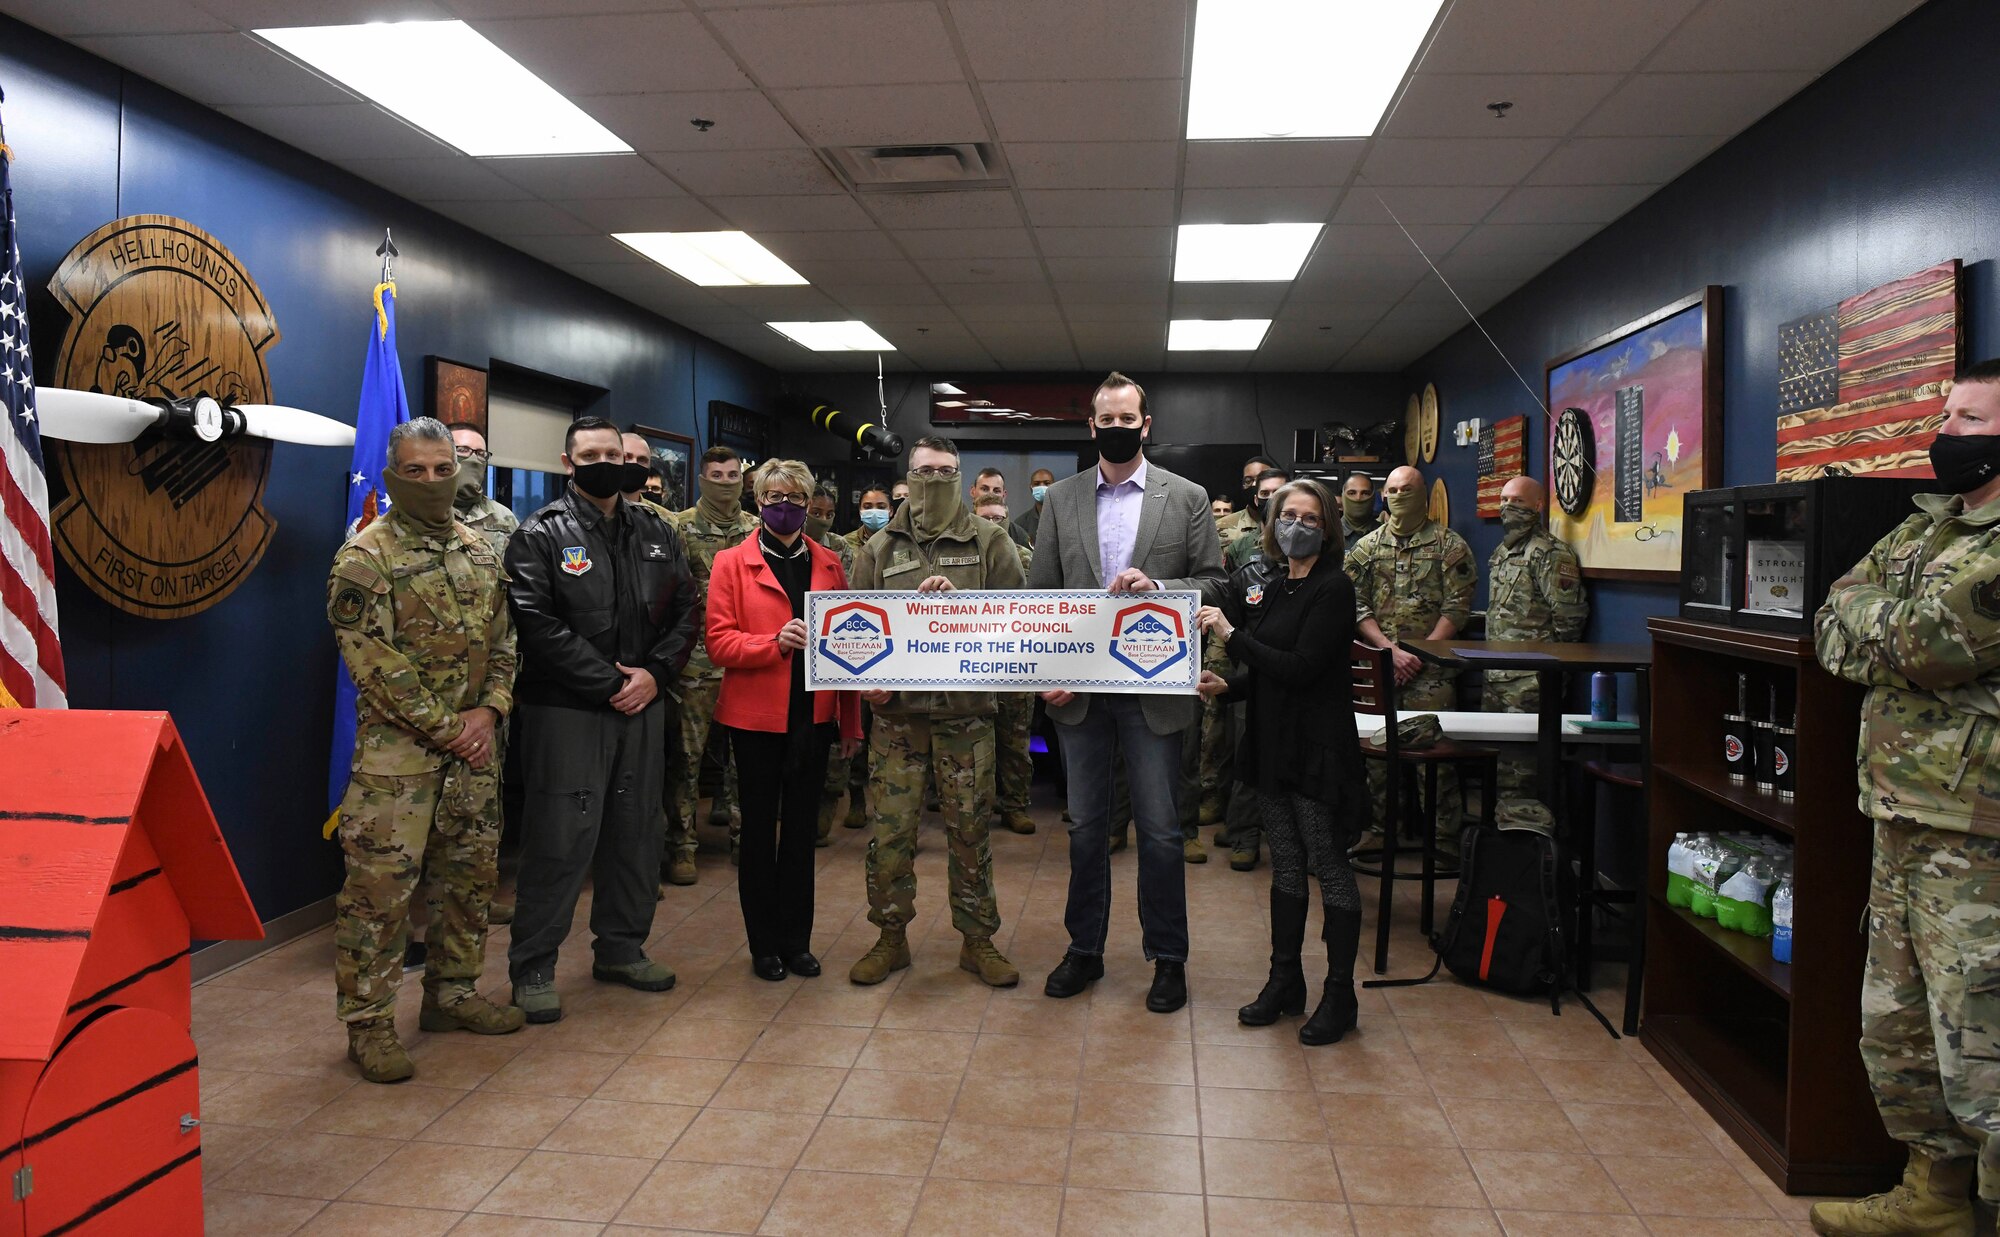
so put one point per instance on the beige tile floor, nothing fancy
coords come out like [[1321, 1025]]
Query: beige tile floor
[[931, 1104]]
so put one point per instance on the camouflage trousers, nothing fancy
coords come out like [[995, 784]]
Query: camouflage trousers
[[1218, 755], [843, 777], [960, 750], [1513, 691], [1930, 993], [1014, 768], [1430, 692], [440, 830], [698, 697]]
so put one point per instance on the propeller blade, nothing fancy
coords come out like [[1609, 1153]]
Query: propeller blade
[[282, 424], [86, 416]]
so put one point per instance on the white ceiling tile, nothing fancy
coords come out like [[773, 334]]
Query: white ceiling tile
[[1011, 40], [1514, 268], [781, 304], [617, 53], [822, 212], [841, 45], [474, 10], [1691, 103], [1376, 358], [981, 270], [905, 294], [569, 252], [1115, 302], [1454, 104], [996, 294], [1229, 300], [1622, 160], [735, 173], [664, 120], [1110, 270], [1521, 238], [967, 243], [876, 315], [1298, 315], [261, 14], [911, 113], [836, 273], [1570, 203], [1119, 337], [1085, 111], [69, 19], [1093, 165], [1453, 161], [1292, 204], [955, 209], [680, 214], [221, 70], [839, 246], [1775, 34], [443, 176], [1106, 242], [1316, 344], [1369, 204], [1358, 238], [1041, 315], [1051, 208], [1228, 165], [504, 219], [1477, 293], [341, 131], [1337, 283], [1574, 36], [585, 176]]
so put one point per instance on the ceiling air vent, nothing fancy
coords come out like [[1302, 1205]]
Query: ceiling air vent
[[918, 169]]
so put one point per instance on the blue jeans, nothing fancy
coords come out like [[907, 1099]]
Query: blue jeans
[[1116, 727]]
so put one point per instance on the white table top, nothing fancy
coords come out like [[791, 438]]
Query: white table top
[[1503, 727]]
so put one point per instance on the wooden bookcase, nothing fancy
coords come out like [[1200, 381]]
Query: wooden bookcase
[[1768, 1048]]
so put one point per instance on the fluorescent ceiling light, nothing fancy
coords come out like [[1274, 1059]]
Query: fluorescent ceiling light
[[1242, 252], [445, 78], [1216, 334], [1300, 68], [713, 259], [849, 336], [944, 388]]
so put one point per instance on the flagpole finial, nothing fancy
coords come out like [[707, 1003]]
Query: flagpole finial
[[388, 252]]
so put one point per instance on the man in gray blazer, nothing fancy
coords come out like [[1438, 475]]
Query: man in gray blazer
[[1130, 528]]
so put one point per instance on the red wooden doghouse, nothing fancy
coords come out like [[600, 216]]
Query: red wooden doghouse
[[111, 865]]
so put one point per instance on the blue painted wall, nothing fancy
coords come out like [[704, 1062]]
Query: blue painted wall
[[249, 681], [1882, 167]]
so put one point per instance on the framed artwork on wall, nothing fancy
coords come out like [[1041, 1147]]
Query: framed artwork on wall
[[456, 393], [1635, 423], [673, 455]]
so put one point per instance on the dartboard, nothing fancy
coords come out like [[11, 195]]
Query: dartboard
[[1574, 460]]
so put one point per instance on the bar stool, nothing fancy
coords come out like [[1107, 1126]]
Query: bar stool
[[1375, 695], [1583, 842]]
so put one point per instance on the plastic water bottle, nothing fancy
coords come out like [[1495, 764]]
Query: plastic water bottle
[[1781, 921], [1680, 872], [1743, 903], [1717, 862]]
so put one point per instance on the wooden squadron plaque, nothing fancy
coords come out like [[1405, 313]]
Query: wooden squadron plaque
[[163, 527]]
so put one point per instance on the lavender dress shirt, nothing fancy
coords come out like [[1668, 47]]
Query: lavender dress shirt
[[1118, 508]]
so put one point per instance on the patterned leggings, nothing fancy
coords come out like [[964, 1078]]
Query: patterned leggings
[[1303, 834]]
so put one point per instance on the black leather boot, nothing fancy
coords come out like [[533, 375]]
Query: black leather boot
[[1337, 1006], [1284, 993]]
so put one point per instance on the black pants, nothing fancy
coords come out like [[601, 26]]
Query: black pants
[[780, 826], [592, 810]]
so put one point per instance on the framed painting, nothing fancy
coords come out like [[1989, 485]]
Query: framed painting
[[457, 393], [1635, 424], [673, 455]]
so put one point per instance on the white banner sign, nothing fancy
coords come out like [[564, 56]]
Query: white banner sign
[[1076, 640]]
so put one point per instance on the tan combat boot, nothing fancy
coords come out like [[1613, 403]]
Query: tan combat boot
[[459, 1007], [978, 956], [1192, 851], [827, 810], [681, 870], [891, 953], [372, 1046], [1017, 821], [1934, 1200], [501, 913]]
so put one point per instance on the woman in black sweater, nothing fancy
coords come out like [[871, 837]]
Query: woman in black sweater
[[1299, 749]]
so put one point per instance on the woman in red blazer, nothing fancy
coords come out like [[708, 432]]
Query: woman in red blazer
[[778, 731]]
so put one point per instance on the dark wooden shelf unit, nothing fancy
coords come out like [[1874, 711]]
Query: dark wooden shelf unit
[[1768, 1048]]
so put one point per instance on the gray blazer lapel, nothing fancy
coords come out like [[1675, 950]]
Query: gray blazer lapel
[[1151, 510], [1086, 522]]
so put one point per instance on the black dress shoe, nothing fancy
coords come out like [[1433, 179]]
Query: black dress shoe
[[1169, 991], [770, 967], [1073, 974], [803, 964]]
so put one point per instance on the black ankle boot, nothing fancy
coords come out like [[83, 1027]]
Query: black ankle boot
[[1337, 1007], [1284, 993]]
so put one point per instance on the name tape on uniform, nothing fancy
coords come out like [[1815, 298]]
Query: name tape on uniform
[[1004, 640]]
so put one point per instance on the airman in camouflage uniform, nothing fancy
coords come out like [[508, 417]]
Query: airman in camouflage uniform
[[1222, 724], [1414, 579], [716, 522], [1534, 591], [419, 611], [1243, 520], [933, 544], [1358, 516], [478, 512], [1918, 622], [839, 779], [1013, 715]]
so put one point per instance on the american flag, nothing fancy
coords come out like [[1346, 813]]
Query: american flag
[[1506, 459], [1861, 386], [31, 664]]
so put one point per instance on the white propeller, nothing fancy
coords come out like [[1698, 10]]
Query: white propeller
[[86, 416]]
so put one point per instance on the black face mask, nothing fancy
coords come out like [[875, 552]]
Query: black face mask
[[635, 477], [1257, 506], [1118, 443], [604, 479], [1964, 462]]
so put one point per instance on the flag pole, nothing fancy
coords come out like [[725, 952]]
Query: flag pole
[[388, 252]]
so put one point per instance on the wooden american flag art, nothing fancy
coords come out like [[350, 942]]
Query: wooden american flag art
[[1503, 456], [1861, 386]]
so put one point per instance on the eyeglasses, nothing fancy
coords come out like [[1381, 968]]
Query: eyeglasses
[[790, 500], [469, 453], [948, 473], [1310, 521]]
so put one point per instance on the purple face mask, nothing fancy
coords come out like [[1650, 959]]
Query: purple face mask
[[782, 518]]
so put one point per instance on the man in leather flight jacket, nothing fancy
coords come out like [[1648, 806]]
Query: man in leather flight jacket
[[604, 605]]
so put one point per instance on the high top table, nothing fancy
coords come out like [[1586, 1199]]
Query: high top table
[[1553, 662]]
